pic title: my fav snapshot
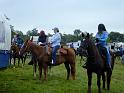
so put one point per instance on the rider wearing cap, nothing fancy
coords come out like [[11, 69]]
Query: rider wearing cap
[[55, 41]]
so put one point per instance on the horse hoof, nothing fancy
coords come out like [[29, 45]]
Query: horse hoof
[[39, 78], [103, 88]]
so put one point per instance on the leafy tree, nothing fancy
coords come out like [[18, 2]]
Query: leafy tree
[[77, 32], [29, 33], [33, 32], [116, 37]]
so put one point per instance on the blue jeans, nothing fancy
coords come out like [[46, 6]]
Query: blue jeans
[[54, 50], [108, 56]]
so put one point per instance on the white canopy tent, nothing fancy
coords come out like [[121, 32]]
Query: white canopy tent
[[5, 36]]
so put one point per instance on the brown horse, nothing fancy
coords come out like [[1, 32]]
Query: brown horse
[[39, 55], [15, 53], [96, 63]]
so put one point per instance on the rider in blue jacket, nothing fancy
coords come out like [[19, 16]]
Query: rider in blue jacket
[[101, 38]]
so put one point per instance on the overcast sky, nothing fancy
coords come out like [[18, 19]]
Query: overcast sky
[[67, 15]]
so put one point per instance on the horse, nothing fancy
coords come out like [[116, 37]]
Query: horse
[[118, 54], [15, 53], [96, 63], [43, 59]]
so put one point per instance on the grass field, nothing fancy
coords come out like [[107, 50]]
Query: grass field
[[20, 80]]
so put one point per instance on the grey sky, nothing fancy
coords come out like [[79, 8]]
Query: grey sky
[[67, 15]]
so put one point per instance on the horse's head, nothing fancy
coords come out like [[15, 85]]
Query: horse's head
[[26, 47], [88, 44], [14, 47], [85, 42]]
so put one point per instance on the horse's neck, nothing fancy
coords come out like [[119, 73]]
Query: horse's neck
[[36, 50], [93, 51]]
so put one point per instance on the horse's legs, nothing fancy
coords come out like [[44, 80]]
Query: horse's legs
[[22, 61], [109, 73], [103, 79], [10, 59], [73, 70], [14, 60], [40, 71], [45, 71], [98, 82], [25, 58], [34, 70], [89, 81], [18, 61], [68, 70]]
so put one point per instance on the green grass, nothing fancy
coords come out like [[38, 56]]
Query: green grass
[[20, 80]]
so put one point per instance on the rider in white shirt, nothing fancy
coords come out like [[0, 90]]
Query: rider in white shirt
[[55, 41]]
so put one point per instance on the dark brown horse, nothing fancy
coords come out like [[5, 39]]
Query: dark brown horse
[[96, 63], [15, 53], [40, 55]]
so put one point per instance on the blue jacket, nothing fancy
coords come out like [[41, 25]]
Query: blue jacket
[[102, 38]]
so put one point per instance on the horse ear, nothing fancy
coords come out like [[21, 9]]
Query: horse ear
[[88, 35], [82, 34], [31, 39], [26, 40]]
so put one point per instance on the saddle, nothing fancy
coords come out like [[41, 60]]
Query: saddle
[[103, 52], [60, 51]]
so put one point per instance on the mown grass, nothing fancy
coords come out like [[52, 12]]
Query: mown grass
[[20, 80]]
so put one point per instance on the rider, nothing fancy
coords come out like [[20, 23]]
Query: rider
[[55, 41], [121, 50], [101, 39], [71, 45], [42, 40], [17, 40]]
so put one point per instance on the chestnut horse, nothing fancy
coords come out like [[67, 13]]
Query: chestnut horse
[[43, 59], [15, 53], [96, 63]]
